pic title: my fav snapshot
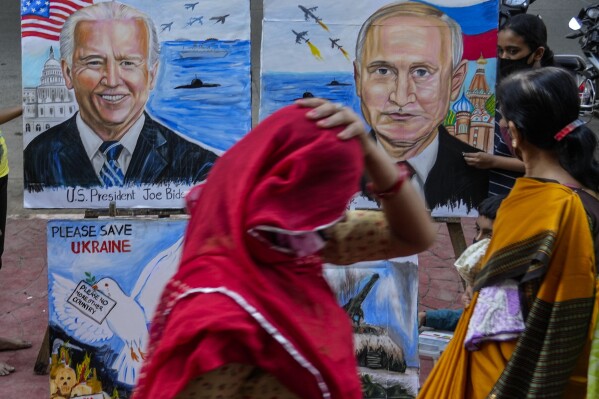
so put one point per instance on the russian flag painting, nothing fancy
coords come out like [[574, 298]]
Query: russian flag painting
[[479, 20]]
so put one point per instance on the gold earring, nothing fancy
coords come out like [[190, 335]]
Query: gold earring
[[514, 143]]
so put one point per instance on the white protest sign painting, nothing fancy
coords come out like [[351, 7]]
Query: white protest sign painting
[[104, 282]]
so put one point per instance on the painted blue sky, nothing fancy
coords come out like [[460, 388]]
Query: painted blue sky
[[344, 19], [236, 26]]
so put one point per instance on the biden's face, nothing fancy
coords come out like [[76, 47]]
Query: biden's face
[[110, 74]]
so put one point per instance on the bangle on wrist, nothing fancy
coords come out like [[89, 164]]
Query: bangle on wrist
[[402, 176]]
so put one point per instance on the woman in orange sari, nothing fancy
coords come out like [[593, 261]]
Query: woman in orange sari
[[528, 329]]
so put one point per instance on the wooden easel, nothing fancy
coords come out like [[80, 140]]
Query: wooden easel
[[456, 235]]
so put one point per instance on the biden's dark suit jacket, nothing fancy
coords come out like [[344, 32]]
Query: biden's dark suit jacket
[[57, 158]]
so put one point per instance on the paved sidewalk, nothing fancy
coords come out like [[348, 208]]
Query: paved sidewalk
[[440, 285], [24, 305], [24, 296]]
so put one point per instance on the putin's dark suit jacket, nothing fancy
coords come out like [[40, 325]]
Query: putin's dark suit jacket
[[57, 158], [451, 179]]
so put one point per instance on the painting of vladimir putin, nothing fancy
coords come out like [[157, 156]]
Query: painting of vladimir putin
[[408, 68], [109, 58]]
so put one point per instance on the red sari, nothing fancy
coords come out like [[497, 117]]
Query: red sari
[[237, 300]]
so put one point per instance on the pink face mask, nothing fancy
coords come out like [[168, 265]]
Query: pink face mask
[[302, 244]]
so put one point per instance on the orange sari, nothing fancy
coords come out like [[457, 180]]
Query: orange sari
[[541, 239]]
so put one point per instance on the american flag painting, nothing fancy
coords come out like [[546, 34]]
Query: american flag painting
[[44, 18]]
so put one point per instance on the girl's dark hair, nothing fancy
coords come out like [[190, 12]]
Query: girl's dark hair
[[533, 31], [489, 206], [542, 101]]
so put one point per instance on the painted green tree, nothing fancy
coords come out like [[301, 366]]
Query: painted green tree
[[490, 105], [449, 118]]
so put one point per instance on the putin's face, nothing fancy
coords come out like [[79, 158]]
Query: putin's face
[[405, 81], [110, 74]]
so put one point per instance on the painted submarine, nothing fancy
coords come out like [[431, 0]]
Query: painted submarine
[[197, 83]]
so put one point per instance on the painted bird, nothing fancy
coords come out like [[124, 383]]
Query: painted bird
[[128, 319]]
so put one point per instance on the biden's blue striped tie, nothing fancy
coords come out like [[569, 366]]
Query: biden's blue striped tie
[[111, 173]]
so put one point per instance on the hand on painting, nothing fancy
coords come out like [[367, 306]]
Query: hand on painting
[[479, 160], [483, 160]]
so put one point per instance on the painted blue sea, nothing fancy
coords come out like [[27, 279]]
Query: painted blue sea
[[283, 88], [213, 102]]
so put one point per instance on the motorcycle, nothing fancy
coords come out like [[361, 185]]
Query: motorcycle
[[509, 8], [586, 27]]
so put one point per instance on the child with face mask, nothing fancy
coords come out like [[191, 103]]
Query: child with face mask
[[466, 264]]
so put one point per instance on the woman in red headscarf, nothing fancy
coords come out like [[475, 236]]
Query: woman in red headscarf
[[249, 313]]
